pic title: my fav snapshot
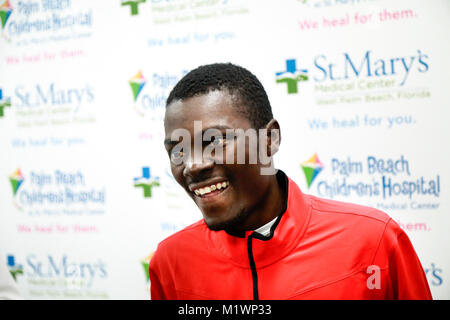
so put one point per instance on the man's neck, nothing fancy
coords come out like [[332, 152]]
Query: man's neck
[[268, 209]]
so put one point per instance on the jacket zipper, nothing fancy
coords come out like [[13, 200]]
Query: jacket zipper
[[252, 267]]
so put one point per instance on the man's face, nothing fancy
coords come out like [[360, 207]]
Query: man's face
[[226, 193]]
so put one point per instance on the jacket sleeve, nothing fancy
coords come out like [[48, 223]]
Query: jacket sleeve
[[406, 276]]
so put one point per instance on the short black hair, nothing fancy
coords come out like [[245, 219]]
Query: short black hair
[[240, 83]]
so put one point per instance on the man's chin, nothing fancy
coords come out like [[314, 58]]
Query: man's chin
[[215, 224], [232, 223]]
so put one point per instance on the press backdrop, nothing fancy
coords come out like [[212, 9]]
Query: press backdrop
[[360, 88]]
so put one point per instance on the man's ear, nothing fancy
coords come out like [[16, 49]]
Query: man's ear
[[273, 137]]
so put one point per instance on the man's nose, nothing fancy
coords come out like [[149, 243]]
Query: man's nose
[[195, 168]]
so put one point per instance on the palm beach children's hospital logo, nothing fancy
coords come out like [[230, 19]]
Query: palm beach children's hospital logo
[[146, 182], [39, 22], [386, 183], [59, 192]]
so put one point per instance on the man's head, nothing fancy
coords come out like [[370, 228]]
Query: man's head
[[223, 98]]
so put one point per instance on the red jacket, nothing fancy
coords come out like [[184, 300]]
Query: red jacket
[[318, 249]]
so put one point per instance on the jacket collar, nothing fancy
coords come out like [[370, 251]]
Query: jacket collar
[[285, 233]]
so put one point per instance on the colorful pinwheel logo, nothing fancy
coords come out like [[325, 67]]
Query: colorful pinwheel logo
[[5, 12], [137, 83], [145, 264], [16, 179], [311, 168]]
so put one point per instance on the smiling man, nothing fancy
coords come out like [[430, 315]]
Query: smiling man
[[260, 236]]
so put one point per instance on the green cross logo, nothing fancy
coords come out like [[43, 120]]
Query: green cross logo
[[134, 5], [292, 76], [146, 182], [4, 102]]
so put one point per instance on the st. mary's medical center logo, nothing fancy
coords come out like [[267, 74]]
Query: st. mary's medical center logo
[[359, 77]]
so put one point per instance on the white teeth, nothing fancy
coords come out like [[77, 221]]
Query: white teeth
[[213, 187]]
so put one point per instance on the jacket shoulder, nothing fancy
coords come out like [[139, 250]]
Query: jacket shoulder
[[361, 226], [185, 235], [348, 210], [354, 231]]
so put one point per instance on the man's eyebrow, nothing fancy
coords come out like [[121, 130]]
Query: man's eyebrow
[[169, 142], [218, 127]]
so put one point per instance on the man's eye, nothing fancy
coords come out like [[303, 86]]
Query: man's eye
[[175, 156], [218, 141]]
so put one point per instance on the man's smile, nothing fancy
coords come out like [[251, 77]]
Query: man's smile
[[212, 189], [209, 189]]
